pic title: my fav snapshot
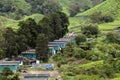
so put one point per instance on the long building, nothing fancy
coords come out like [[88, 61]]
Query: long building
[[13, 65], [36, 77]]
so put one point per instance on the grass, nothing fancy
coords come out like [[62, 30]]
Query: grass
[[6, 22], [75, 23], [65, 6], [37, 17], [91, 64], [65, 71], [107, 7], [117, 77], [109, 26]]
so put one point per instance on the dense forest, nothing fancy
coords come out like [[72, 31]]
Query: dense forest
[[17, 9]]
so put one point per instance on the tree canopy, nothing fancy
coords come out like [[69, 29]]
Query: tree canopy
[[42, 48]]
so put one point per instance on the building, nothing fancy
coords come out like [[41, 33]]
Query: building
[[36, 77], [61, 44], [56, 47], [52, 51], [29, 54], [13, 65]]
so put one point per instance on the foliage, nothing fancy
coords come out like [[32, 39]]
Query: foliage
[[78, 6], [80, 38], [42, 48], [29, 30], [11, 48], [79, 53], [98, 17], [90, 29], [14, 9], [74, 9], [7, 74], [113, 37], [57, 25], [44, 6]]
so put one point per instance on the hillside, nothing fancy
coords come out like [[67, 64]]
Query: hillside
[[107, 7], [14, 9], [111, 7], [6, 22], [78, 47]]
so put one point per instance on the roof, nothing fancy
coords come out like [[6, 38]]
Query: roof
[[51, 48], [52, 45], [60, 41], [57, 42], [36, 77], [30, 51], [9, 62]]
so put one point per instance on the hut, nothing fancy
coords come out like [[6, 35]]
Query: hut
[[29, 54]]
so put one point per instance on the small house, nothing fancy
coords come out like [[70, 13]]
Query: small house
[[29, 54], [65, 42], [56, 47], [13, 65], [61, 44]]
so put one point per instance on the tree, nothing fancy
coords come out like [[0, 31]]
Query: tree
[[90, 29], [113, 37], [55, 24], [2, 43], [74, 9], [98, 17], [14, 9], [44, 6], [80, 38], [42, 48], [22, 43], [64, 22], [15, 77], [46, 28], [29, 30], [6, 72], [11, 48]]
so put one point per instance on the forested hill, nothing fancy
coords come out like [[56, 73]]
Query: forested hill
[[107, 7], [16, 9]]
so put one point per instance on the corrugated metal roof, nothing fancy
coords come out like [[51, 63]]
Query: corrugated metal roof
[[30, 51], [36, 77], [9, 62]]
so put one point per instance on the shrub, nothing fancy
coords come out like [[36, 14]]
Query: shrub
[[90, 29], [98, 17], [80, 38], [113, 37], [79, 53], [107, 18]]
